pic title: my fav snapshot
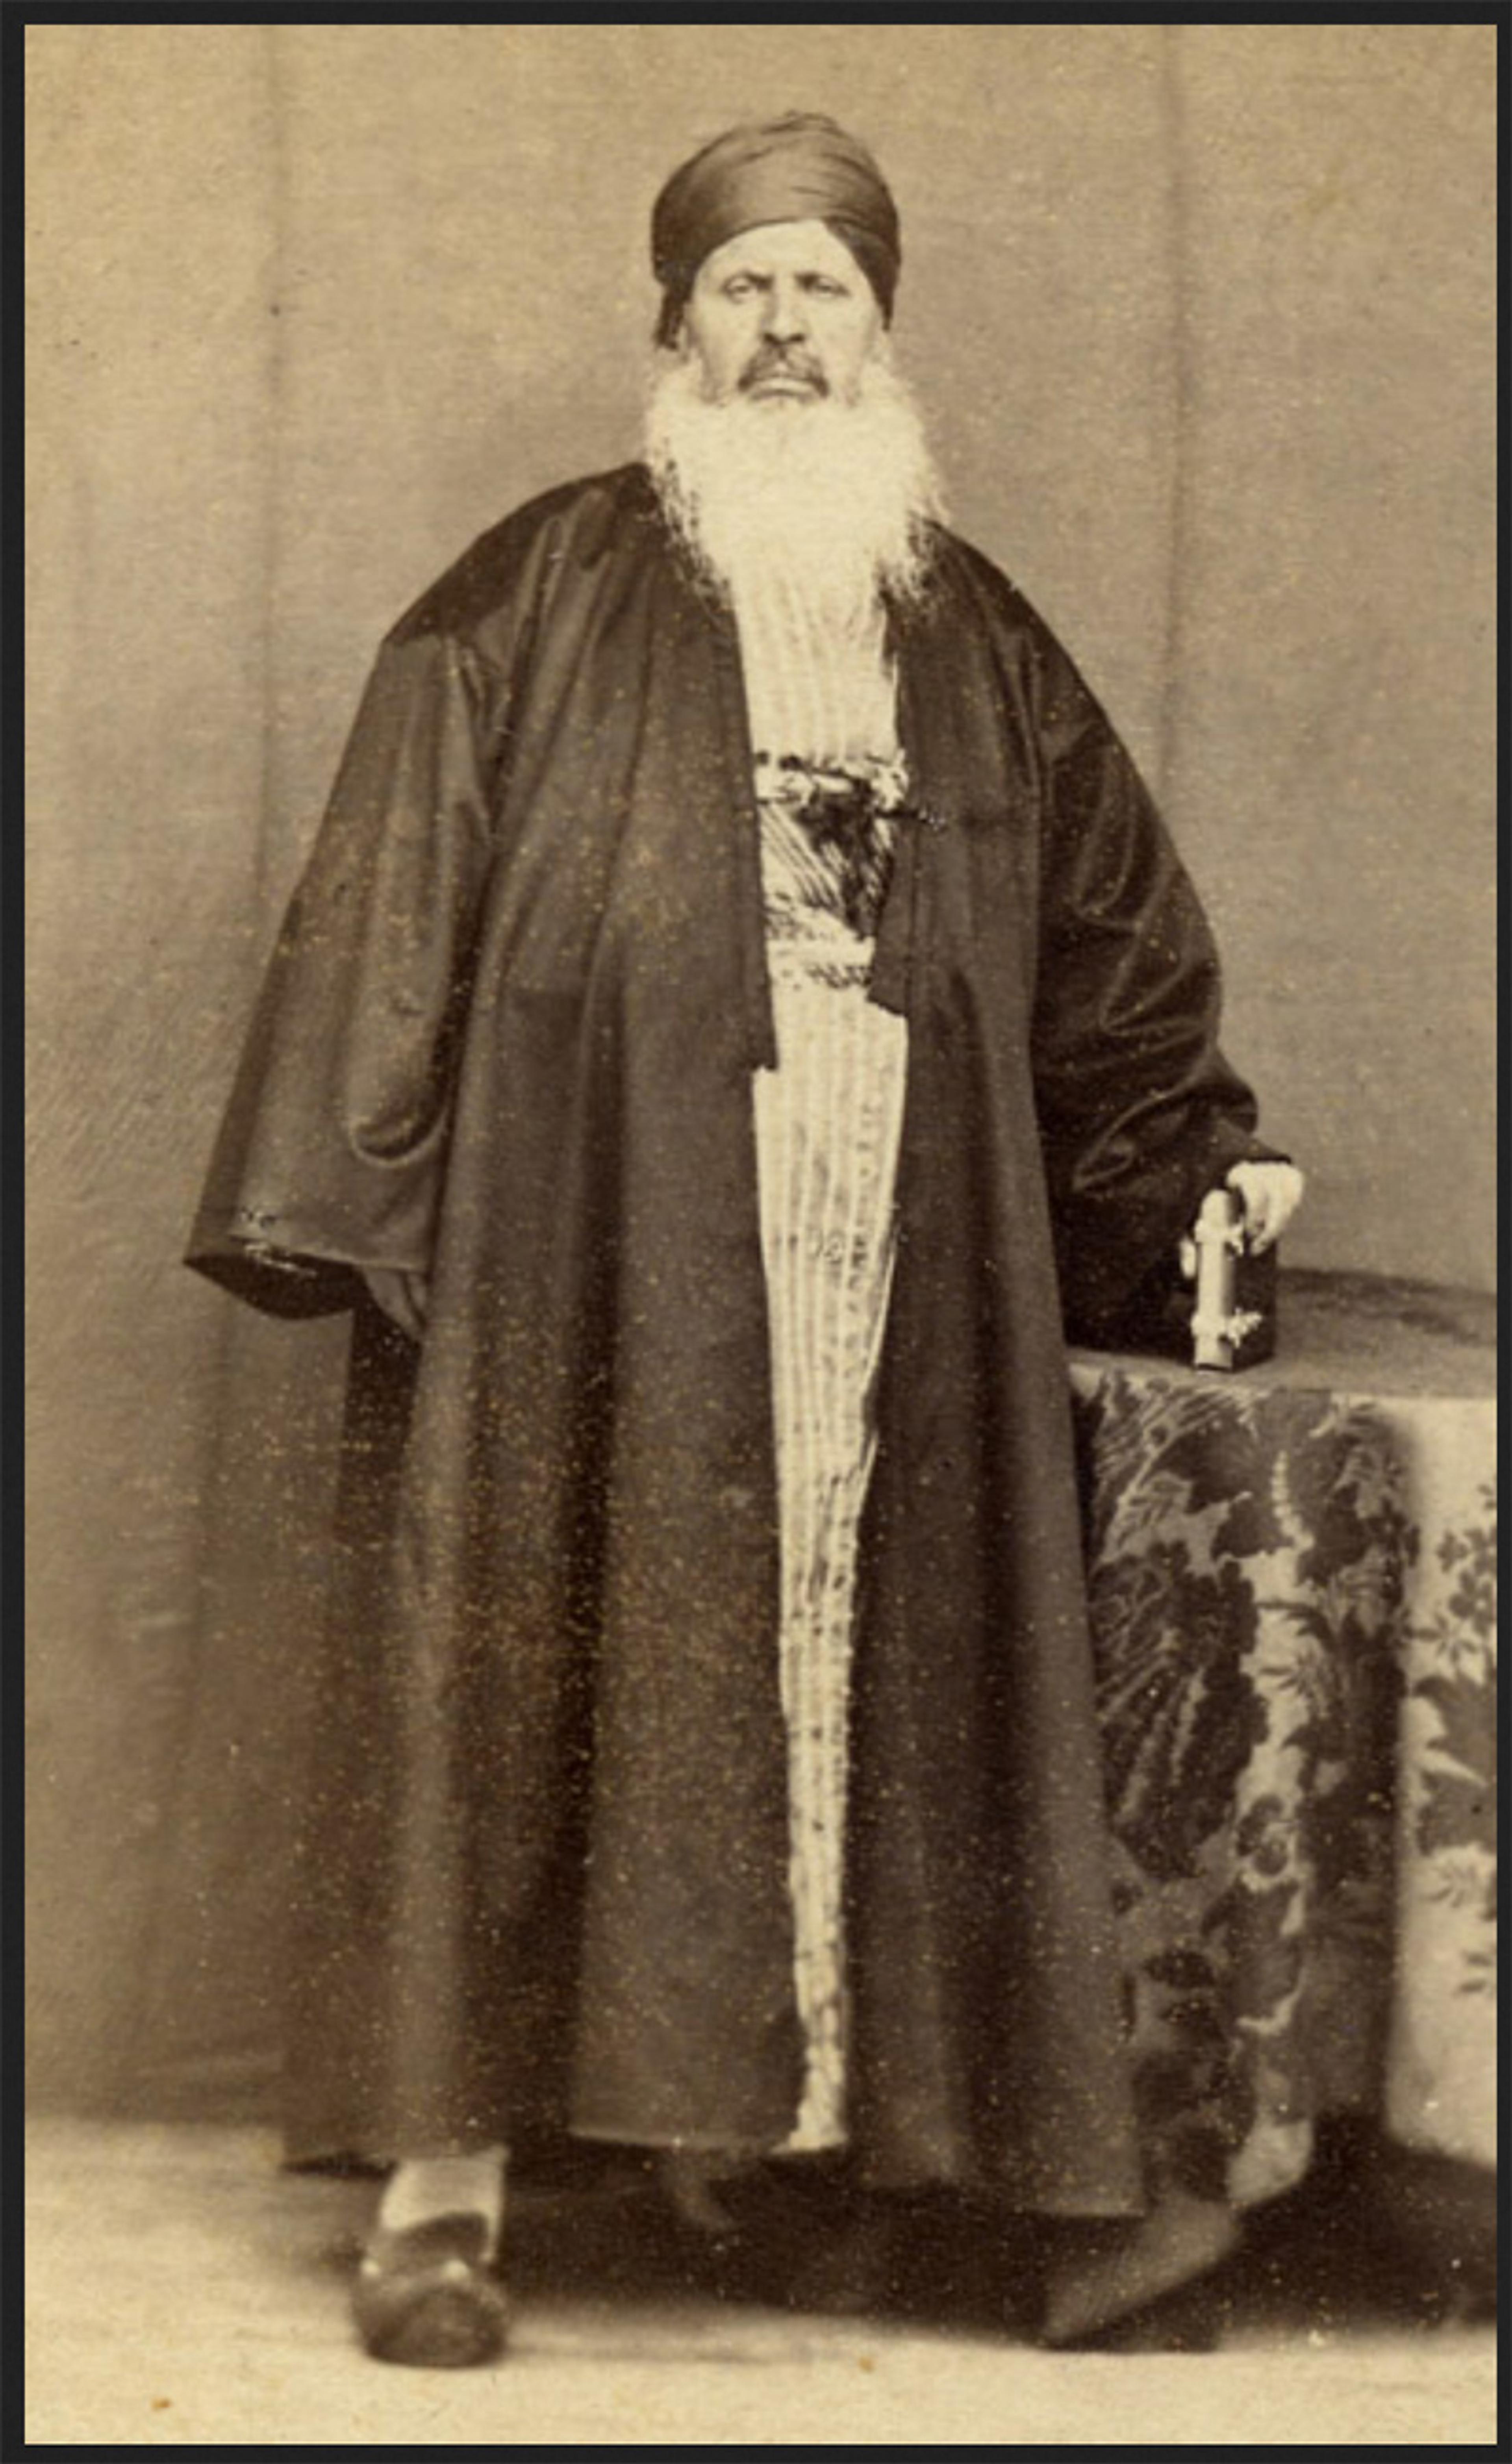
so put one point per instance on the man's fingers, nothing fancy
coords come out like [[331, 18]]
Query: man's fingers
[[1270, 1194], [1260, 1219]]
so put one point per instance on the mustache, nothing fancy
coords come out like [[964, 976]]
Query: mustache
[[774, 359]]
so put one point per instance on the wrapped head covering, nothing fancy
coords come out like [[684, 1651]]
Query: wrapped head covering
[[803, 168]]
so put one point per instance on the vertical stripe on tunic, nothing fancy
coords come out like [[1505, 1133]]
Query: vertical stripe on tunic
[[828, 1120]]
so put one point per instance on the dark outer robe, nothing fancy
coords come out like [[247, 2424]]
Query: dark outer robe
[[507, 1040]]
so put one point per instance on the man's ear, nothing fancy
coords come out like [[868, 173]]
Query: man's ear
[[671, 328]]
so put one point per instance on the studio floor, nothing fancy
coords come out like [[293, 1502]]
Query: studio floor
[[184, 2291]]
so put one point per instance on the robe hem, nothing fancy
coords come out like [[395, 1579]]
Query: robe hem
[[1013, 2198]]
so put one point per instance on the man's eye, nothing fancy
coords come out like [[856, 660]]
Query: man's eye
[[738, 288]]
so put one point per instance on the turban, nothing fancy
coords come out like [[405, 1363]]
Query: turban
[[803, 168]]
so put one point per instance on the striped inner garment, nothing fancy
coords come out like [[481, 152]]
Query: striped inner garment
[[828, 1120]]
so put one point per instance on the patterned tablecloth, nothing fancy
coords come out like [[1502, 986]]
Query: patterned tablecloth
[[1292, 1583]]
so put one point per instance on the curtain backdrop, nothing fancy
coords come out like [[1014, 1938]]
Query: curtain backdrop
[[1203, 319]]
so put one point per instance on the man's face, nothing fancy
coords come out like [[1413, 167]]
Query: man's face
[[782, 313]]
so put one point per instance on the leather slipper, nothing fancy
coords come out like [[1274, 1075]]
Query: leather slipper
[[427, 2298]]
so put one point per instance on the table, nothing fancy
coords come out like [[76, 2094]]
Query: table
[[1291, 1576]]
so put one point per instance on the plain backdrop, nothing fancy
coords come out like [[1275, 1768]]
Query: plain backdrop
[[1203, 320]]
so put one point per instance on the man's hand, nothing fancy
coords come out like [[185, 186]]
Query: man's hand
[[401, 1295], [1270, 1194]]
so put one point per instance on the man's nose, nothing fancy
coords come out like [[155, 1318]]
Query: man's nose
[[786, 319]]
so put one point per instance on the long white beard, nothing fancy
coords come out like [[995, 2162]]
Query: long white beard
[[831, 498]]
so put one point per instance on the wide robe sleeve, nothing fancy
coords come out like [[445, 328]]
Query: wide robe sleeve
[[1140, 1113], [330, 1156]]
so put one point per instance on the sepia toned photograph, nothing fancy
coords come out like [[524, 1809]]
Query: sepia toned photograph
[[761, 1216]]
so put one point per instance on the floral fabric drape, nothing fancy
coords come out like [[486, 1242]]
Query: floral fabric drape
[[1293, 1608]]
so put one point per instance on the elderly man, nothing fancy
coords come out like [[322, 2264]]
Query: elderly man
[[741, 1005]]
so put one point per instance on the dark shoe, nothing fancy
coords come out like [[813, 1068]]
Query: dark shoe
[[1112, 2280], [1188, 2321], [698, 2188], [427, 2296]]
